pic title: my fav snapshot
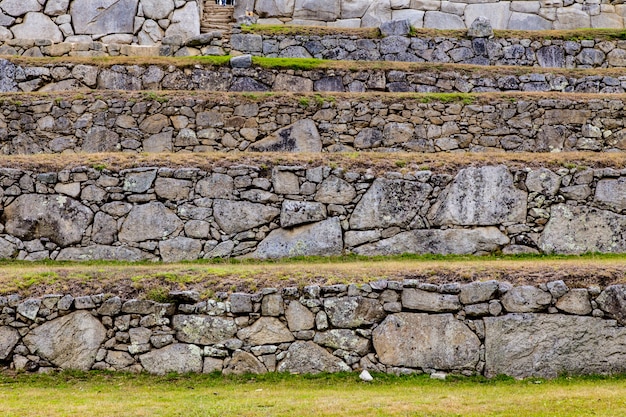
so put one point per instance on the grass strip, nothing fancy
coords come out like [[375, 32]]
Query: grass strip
[[154, 281], [106, 394]]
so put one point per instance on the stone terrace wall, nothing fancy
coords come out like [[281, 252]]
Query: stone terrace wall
[[588, 53], [186, 214], [143, 22], [242, 76], [437, 14], [31, 124], [486, 328], [478, 51]]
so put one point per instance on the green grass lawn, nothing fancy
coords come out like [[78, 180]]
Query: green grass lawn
[[105, 394]]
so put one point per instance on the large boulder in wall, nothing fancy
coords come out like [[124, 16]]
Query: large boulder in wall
[[59, 218], [419, 340], [548, 345], [482, 196], [323, 238], [69, 342], [581, 229], [101, 17]]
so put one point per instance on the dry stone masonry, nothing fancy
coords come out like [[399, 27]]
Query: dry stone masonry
[[515, 51], [423, 78], [157, 122], [141, 22], [400, 327], [249, 211], [442, 14]]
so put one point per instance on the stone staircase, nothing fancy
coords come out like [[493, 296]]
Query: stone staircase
[[216, 17]]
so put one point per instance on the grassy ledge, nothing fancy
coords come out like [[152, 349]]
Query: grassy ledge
[[106, 394], [155, 280]]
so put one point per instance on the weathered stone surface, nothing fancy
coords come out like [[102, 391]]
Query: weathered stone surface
[[543, 181], [102, 253], [111, 307], [203, 330], [478, 292], [7, 76], [265, 331], [328, 10], [580, 229], [575, 301], [59, 218], [334, 190], [180, 249], [480, 196], [299, 317], [139, 181], [101, 17], [480, 28], [343, 339], [395, 28], [539, 345], [246, 42], [69, 342], [322, 238], [37, 26], [216, 186], [295, 84], [272, 305], [8, 339], [243, 363], [551, 56], [149, 221], [389, 203], [172, 189], [119, 360], [352, 312], [426, 341], [178, 357], [299, 212], [19, 8], [302, 136], [237, 216], [309, 358], [612, 193], [274, 8], [101, 139], [29, 308], [353, 8], [525, 299], [185, 21], [240, 303], [7, 249], [157, 9], [613, 302], [439, 20], [377, 12], [415, 299], [449, 241]]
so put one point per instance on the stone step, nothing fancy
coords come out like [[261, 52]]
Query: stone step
[[217, 17]]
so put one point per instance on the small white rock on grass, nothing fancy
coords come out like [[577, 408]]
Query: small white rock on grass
[[438, 375], [365, 376]]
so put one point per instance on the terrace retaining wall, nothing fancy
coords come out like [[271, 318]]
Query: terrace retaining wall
[[158, 122], [401, 327], [253, 211], [55, 77]]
